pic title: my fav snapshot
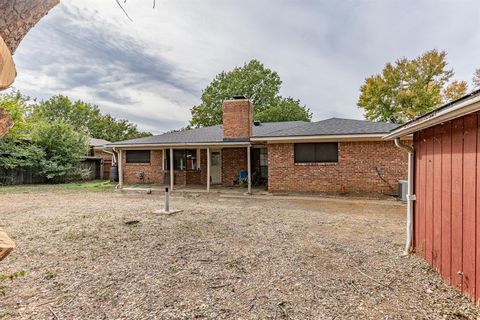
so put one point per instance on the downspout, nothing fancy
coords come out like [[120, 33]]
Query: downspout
[[410, 196], [115, 160]]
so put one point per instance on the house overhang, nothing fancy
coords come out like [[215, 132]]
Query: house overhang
[[324, 138], [456, 109], [157, 146]]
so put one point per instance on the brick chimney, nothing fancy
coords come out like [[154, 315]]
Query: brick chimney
[[237, 119]]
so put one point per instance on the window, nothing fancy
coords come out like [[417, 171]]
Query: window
[[184, 159], [215, 159], [316, 152], [263, 163], [263, 157], [138, 156]]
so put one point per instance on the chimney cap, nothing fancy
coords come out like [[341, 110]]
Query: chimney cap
[[239, 97], [256, 123]]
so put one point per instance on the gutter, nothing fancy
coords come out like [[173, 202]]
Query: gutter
[[110, 152], [458, 110], [178, 145], [410, 195], [374, 136]]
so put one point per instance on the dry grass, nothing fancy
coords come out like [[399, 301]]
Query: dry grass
[[220, 258]]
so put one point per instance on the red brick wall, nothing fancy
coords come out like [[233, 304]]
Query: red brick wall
[[152, 171], [237, 119], [192, 177], [179, 177], [102, 154], [233, 160], [355, 171]]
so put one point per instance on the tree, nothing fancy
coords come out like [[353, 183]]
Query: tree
[[285, 109], [476, 79], [86, 117], [261, 85], [405, 89], [20, 154], [454, 90], [16, 150], [64, 146], [17, 108]]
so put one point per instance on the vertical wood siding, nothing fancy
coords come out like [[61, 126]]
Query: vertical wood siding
[[447, 210]]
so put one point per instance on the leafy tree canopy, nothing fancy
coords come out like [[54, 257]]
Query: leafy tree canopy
[[17, 108], [409, 88], [454, 90], [53, 136], [63, 145], [85, 116], [285, 109], [261, 85], [476, 79]]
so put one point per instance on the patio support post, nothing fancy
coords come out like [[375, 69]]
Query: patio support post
[[120, 169], [208, 169], [249, 170], [171, 169]]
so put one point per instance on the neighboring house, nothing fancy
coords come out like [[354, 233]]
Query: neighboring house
[[97, 160], [444, 205], [331, 156]]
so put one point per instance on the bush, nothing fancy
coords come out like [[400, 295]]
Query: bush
[[63, 146]]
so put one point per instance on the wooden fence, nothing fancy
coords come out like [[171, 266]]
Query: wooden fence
[[33, 176], [21, 176]]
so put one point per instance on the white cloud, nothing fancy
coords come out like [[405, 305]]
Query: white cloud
[[152, 70]]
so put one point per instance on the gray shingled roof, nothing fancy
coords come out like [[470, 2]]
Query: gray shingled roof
[[214, 134], [336, 126], [94, 142], [208, 134]]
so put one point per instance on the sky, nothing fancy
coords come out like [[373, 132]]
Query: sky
[[152, 69]]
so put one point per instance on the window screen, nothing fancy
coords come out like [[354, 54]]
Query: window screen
[[183, 159], [138, 156], [316, 152]]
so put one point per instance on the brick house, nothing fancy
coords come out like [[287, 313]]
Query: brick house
[[329, 156], [98, 159]]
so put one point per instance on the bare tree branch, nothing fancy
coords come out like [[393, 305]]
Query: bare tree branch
[[121, 7]]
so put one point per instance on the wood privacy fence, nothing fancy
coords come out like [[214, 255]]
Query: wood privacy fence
[[32, 175], [447, 210], [21, 176]]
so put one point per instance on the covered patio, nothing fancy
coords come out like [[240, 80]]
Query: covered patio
[[196, 189], [193, 166]]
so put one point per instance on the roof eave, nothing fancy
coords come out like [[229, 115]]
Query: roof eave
[[177, 145], [338, 137], [455, 111]]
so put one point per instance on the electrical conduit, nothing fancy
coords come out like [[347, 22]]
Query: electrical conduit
[[410, 196]]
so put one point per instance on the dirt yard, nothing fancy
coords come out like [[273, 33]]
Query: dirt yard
[[106, 255]]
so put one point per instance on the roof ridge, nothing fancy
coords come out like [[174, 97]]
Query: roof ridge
[[363, 120], [304, 123]]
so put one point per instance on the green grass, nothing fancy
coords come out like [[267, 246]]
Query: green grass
[[89, 186]]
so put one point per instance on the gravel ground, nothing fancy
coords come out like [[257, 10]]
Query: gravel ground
[[106, 255]]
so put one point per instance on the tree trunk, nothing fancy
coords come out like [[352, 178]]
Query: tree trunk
[[7, 66], [17, 17], [6, 245]]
